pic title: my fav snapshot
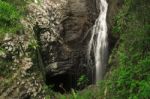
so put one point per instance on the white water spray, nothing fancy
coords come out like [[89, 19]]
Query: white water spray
[[98, 42]]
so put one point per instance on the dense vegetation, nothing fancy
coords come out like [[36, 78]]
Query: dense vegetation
[[129, 76], [9, 18]]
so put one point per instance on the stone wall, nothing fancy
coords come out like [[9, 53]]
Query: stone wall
[[61, 27]]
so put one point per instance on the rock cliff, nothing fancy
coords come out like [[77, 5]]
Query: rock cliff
[[62, 29]]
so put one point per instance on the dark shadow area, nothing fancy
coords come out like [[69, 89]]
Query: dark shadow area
[[61, 83]]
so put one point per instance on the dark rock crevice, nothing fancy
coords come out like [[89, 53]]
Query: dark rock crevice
[[60, 83]]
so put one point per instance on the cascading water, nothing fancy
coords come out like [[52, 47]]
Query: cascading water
[[98, 42]]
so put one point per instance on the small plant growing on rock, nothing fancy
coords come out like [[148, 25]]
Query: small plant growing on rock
[[82, 81]]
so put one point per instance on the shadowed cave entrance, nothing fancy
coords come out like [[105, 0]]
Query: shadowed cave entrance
[[62, 83]]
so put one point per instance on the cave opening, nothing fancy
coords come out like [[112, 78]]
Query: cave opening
[[62, 83]]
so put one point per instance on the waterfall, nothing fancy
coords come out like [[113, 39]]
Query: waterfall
[[98, 43]]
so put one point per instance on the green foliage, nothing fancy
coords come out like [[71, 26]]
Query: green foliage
[[48, 89], [129, 79], [87, 94], [9, 18], [19, 4], [2, 51], [33, 44], [5, 68], [82, 81], [74, 94]]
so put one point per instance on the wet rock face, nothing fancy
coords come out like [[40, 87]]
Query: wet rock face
[[114, 6], [61, 27]]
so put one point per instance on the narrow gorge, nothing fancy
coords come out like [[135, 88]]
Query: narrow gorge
[[74, 49]]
